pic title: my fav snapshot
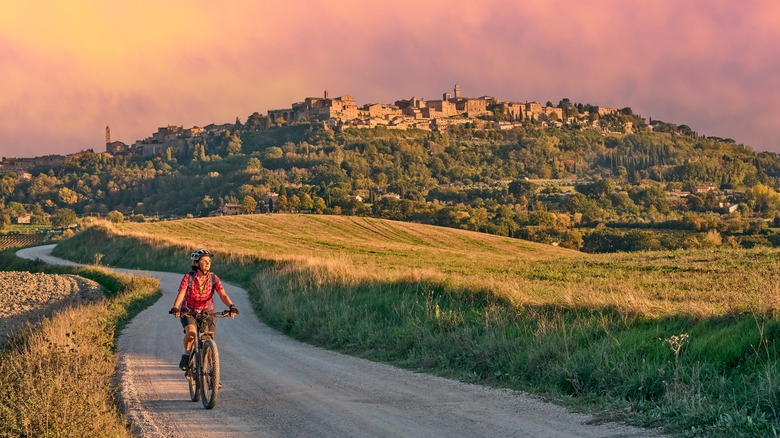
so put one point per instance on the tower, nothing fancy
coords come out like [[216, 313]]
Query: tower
[[108, 135], [457, 91], [326, 93]]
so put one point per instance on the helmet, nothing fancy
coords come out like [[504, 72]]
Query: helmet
[[198, 253]]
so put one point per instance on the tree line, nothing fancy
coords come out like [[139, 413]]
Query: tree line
[[568, 186]]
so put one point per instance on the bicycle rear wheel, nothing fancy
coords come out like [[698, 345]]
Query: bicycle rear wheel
[[210, 373], [192, 378]]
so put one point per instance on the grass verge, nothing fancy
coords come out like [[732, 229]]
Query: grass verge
[[56, 377], [693, 375]]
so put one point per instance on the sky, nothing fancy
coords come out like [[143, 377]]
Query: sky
[[69, 69]]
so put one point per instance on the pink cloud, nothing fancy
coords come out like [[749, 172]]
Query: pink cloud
[[707, 64]]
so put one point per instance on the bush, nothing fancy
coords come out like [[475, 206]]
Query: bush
[[115, 216]]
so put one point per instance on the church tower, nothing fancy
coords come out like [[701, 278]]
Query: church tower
[[108, 135], [457, 91]]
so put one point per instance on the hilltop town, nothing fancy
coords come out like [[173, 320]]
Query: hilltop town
[[342, 112], [551, 173], [438, 115]]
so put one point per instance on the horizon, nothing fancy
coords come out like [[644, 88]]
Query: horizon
[[71, 70]]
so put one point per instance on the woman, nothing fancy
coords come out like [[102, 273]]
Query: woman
[[196, 294]]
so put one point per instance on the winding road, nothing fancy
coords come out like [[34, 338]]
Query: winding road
[[274, 386]]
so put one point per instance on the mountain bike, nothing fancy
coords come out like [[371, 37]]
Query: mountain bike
[[203, 367]]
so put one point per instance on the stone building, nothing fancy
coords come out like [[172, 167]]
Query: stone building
[[514, 111], [602, 110], [117, 148], [378, 111], [341, 108], [549, 111], [176, 138], [441, 108], [226, 210], [533, 109], [25, 164], [471, 107]]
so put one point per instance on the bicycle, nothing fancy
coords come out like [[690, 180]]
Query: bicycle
[[203, 367]]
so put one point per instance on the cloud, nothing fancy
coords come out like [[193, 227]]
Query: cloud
[[70, 69]]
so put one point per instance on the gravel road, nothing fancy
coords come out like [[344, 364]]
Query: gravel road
[[274, 386]]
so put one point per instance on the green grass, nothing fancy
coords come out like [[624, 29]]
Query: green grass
[[590, 331], [26, 229], [56, 377]]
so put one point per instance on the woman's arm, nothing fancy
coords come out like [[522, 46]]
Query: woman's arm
[[223, 296], [182, 292]]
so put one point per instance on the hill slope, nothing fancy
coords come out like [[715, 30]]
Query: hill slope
[[357, 249]]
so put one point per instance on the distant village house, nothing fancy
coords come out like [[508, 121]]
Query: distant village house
[[226, 210]]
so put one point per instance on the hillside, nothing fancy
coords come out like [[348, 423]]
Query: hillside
[[702, 283], [552, 185]]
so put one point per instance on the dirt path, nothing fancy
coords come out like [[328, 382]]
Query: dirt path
[[274, 386]]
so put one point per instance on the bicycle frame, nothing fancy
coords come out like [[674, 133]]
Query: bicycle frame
[[204, 343]]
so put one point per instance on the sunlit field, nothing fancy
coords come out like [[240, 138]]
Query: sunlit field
[[697, 283]]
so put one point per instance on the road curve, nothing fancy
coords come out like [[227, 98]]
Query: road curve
[[274, 386]]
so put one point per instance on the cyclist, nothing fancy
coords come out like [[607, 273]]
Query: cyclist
[[196, 294]]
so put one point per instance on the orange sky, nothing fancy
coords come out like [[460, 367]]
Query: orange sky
[[68, 69]]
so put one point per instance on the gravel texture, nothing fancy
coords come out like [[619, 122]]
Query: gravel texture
[[28, 297]]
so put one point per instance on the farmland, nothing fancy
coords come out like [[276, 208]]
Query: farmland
[[679, 339]]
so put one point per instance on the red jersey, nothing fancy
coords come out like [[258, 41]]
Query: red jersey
[[200, 294]]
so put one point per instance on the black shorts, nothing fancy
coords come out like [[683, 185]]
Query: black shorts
[[210, 323]]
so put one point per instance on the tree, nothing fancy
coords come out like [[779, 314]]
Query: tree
[[274, 153], [306, 202], [7, 184], [598, 189], [319, 204], [764, 198], [199, 152], [63, 217], [206, 203], [652, 196], [249, 205], [115, 216], [257, 122], [5, 220], [295, 203], [235, 145], [522, 188], [579, 203], [67, 196], [282, 204]]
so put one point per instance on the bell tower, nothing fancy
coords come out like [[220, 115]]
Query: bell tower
[[108, 135]]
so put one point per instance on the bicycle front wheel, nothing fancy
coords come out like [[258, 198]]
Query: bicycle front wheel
[[209, 389]]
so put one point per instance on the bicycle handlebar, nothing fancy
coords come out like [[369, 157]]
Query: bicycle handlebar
[[203, 314]]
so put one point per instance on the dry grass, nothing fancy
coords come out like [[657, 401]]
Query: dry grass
[[55, 378], [355, 249]]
